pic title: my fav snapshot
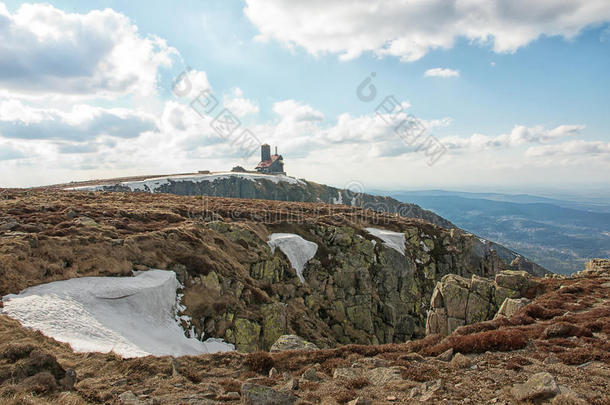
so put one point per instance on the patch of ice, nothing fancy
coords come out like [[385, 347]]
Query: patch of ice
[[298, 250], [393, 240], [338, 200], [153, 185], [132, 316]]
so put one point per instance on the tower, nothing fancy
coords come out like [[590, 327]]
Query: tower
[[265, 152]]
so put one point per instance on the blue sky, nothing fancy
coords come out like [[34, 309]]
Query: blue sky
[[525, 109]]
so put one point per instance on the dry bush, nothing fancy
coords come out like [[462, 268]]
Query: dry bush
[[495, 340], [329, 365], [422, 373], [343, 396], [40, 383], [14, 352], [582, 355], [537, 311], [517, 362], [260, 362], [230, 385], [357, 383], [308, 385], [564, 329]]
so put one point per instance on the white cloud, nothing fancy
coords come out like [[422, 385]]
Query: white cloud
[[440, 72], [520, 135], [81, 123], [45, 51], [409, 29], [580, 148], [239, 105]]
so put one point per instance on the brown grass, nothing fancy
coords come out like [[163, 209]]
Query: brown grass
[[260, 362], [357, 383]]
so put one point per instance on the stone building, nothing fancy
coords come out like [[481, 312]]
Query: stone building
[[270, 164]]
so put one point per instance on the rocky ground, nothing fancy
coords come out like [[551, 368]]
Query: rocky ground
[[555, 349]]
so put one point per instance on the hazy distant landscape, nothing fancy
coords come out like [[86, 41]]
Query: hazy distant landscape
[[557, 234]]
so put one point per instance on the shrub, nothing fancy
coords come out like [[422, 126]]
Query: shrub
[[14, 352], [230, 385], [260, 362], [564, 329], [495, 340], [343, 396], [357, 383]]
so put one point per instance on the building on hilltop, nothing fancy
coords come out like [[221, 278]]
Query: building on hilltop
[[270, 164]]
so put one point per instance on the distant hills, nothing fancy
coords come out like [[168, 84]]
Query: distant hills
[[557, 234]]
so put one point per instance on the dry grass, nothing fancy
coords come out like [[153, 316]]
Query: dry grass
[[260, 362]]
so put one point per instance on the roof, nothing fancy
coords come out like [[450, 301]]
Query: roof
[[267, 163]]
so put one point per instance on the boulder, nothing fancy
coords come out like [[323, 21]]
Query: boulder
[[382, 375], [510, 306], [292, 342], [539, 386], [254, 394]]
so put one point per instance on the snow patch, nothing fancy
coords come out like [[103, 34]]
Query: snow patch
[[393, 240], [338, 200], [132, 316], [298, 250], [154, 185]]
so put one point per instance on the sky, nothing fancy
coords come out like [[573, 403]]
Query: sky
[[477, 95]]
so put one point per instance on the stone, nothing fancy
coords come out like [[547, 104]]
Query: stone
[[427, 390], [513, 279], [447, 355], [274, 323], [68, 380], [460, 361], [246, 335], [453, 324], [478, 309], [232, 396], [454, 290], [292, 342], [539, 386], [310, 375], [359, 401], [382, 375], [511, 306], [273, 372], [347, 372], [291, 385], [129, 398], [254, 394]]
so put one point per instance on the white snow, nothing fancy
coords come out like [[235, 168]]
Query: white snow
[[338, 200], [153, 185], [393, 240], [132, 316], [298, 250]]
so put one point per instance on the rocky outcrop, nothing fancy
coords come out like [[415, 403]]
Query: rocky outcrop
[[457, 301], [595, 267], [292, 342], [355, 289]]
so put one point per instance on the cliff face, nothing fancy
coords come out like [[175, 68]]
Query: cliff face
[[284, 188], [357, 288]]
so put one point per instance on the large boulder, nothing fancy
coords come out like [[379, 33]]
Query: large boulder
[[538, 387], [292, 342], [510, 306], [458, 301]]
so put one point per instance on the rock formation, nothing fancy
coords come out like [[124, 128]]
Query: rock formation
[[457, 301]]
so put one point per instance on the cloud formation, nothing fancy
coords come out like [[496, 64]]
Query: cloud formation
[[409, 29], [46, 52], [441, 72], [81, 123], [520, 135]]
